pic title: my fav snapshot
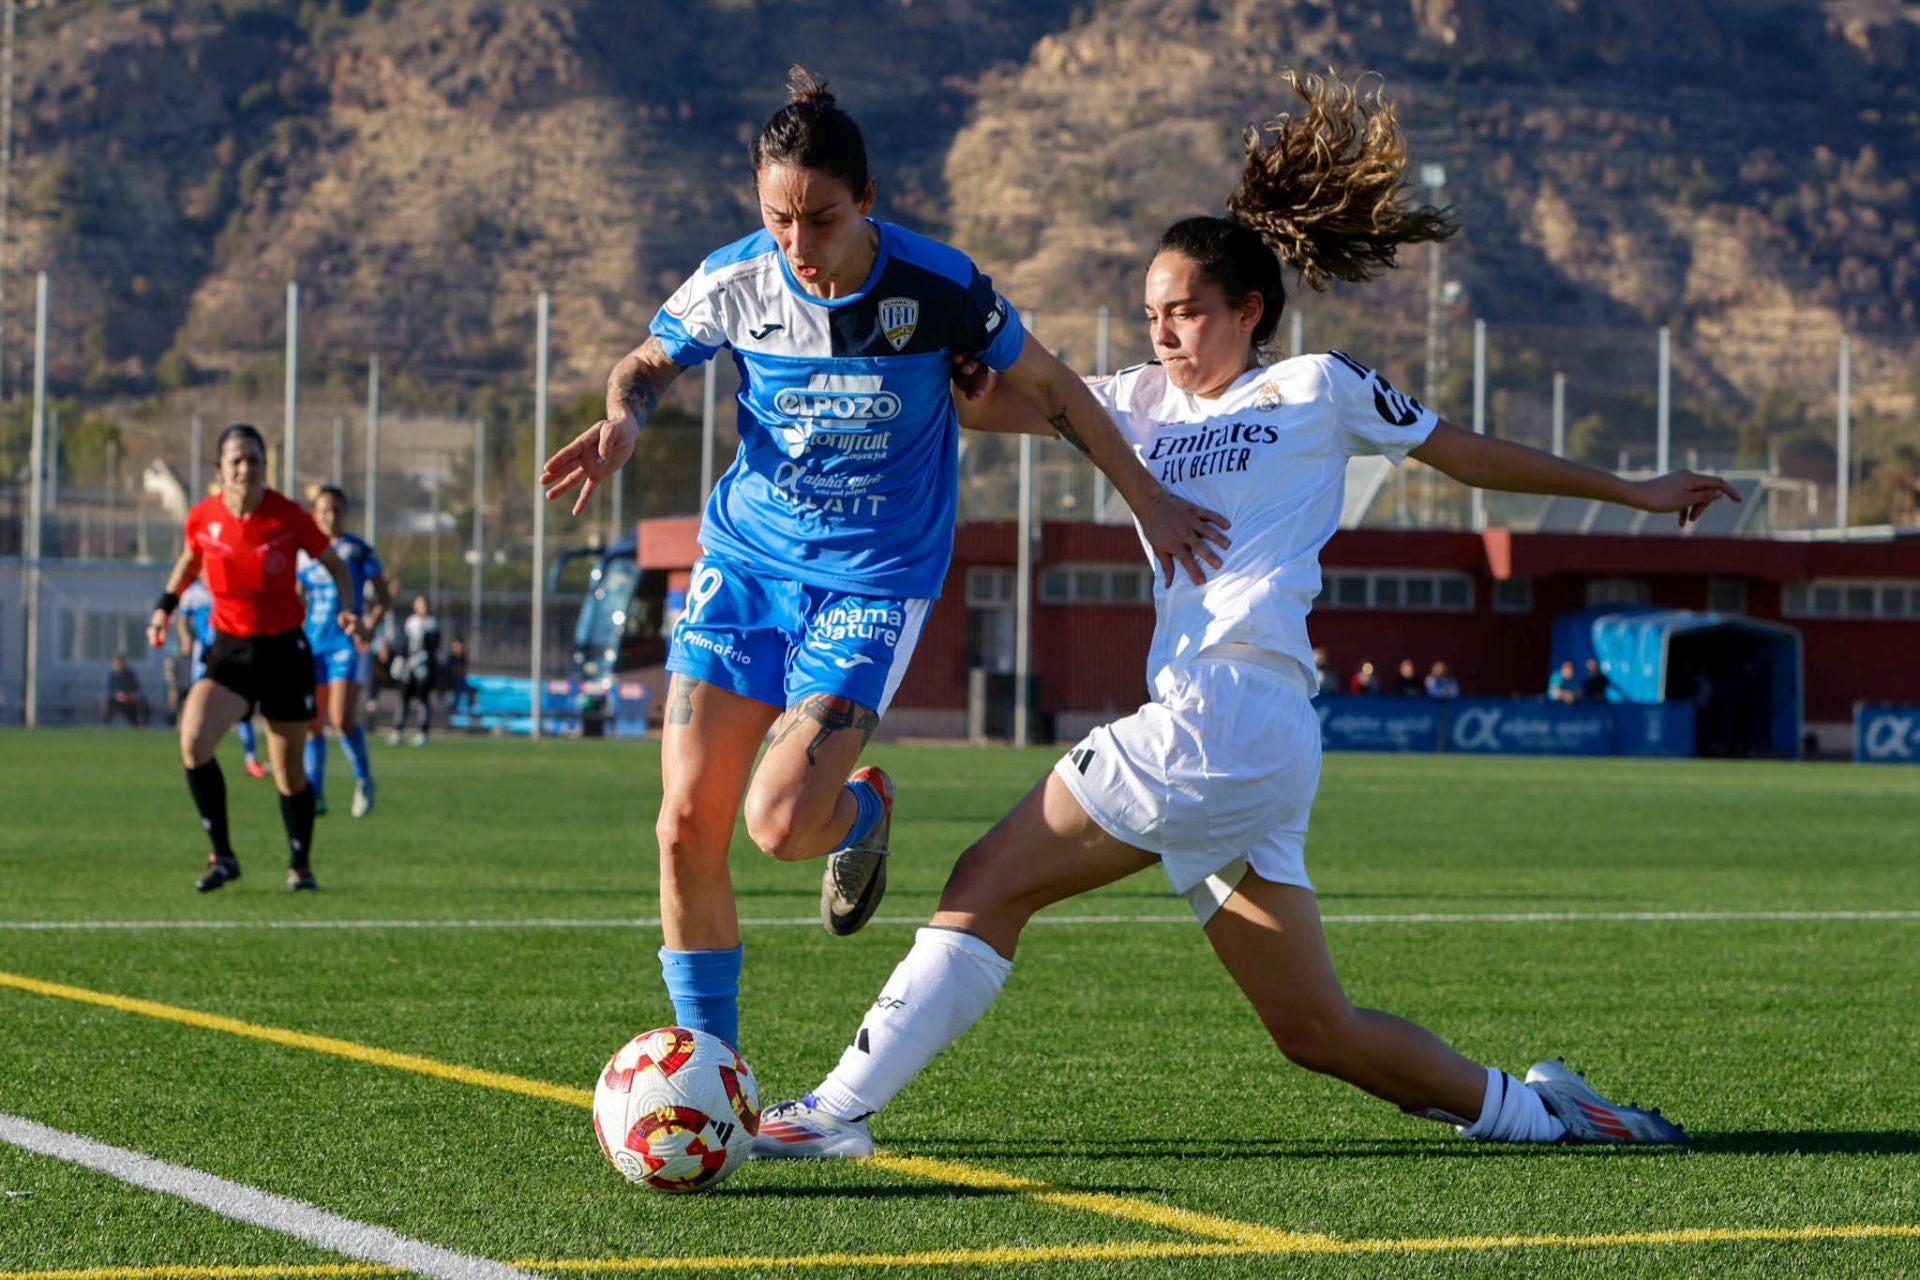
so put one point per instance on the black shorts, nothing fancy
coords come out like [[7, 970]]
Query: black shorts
[[275, 671]]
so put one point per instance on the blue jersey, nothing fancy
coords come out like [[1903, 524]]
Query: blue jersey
[[848, 470], [322, 624]]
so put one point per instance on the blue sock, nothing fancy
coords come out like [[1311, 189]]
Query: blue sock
[[245, 729], [705, 989], [868, 813], [355, 745], [314, 756]]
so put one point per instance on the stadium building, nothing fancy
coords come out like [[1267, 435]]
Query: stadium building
[[1485, 603]]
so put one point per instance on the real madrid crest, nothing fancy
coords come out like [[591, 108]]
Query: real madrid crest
[[898, 319], [1269, 396]]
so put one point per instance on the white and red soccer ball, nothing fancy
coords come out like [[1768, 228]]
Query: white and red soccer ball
[[676, 1109]]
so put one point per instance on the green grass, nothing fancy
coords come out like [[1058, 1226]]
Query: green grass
[[1120, 1060]]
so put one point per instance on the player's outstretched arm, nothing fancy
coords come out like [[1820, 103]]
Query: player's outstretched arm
[[633, 392], [1178, 531], [1487, 463], [985, 402]]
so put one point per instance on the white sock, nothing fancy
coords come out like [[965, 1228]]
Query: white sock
[[942, 987], [1512, 1112]]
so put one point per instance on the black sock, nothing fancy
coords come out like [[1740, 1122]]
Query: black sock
[[209, 788], [296, 812]]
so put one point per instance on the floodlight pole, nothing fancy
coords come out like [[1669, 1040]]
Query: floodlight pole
[[1434, 177], [1843, 435], [372, 522], [1479, 519], [1663, 433], [479, 541], [290, 436], [1102, 366], [37, 494], [539, 514], [1023, 597]]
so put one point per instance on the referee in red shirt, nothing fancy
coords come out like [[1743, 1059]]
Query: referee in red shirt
[[246, 539]]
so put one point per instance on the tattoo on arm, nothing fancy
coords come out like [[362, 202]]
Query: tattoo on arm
[[680, 699], [1062, 424], [631, 386], [831, 713]]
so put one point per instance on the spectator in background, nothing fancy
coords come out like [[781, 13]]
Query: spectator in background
[[414, 667], [1323, 671], [1594, 687], [123, 694], [1441, 684], [1365, 680], [1407, 683], [1565, 684], [459, 688]]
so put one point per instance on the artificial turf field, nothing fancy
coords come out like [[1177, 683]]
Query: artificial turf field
[[412, 1047]]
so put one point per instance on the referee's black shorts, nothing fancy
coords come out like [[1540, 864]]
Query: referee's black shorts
[[275, 671]]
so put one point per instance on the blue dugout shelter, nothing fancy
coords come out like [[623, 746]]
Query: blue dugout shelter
[[1742, 676]]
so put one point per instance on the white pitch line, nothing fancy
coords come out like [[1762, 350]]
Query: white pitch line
[[257, 1208], [1416, 917]]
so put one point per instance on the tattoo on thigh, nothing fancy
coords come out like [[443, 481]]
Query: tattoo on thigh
[[680, 698], [832, 713]]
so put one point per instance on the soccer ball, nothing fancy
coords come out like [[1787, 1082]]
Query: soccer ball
[[676, 1109]]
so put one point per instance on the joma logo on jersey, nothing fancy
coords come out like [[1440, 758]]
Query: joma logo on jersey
[[899, 317], [839, 398]]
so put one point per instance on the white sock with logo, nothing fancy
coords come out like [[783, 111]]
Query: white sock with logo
[[942, 987], [1513, 1113]]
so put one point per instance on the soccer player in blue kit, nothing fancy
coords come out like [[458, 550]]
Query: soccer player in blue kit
[[341, 664], [826, 540]]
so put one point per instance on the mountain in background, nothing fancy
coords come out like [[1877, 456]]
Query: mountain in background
[[1740, 169]]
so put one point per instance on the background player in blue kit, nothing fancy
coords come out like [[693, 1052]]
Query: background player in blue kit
[[340, 662], [194, 623], [830, 534]]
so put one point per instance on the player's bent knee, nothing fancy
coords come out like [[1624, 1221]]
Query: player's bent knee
[[976, 888], [778, 827]]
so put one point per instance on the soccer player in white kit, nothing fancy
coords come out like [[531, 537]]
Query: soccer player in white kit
[[1214, 778]]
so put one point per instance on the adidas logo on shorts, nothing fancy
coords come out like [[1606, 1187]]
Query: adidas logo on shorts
[[1081, 757]]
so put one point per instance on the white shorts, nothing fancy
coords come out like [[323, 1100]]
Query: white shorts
[[1217, 778]]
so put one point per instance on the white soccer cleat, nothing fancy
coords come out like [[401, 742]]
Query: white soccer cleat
[[800, 1130], [1590, 1117], [362, 798]]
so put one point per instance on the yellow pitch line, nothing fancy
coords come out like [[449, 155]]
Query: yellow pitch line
[[934, 1170], [301, 1040], [1118, 1250], [1143, 1211], [1228, 1235]]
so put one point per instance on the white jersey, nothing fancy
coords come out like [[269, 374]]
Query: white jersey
[[1271, 455]]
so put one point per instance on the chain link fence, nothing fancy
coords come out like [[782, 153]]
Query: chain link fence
[[437, 453]]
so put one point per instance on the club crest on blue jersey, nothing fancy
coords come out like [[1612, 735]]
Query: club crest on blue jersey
[[899, 317]]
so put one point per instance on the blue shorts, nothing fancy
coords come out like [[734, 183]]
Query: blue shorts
[[336, 664], [778, 641]]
